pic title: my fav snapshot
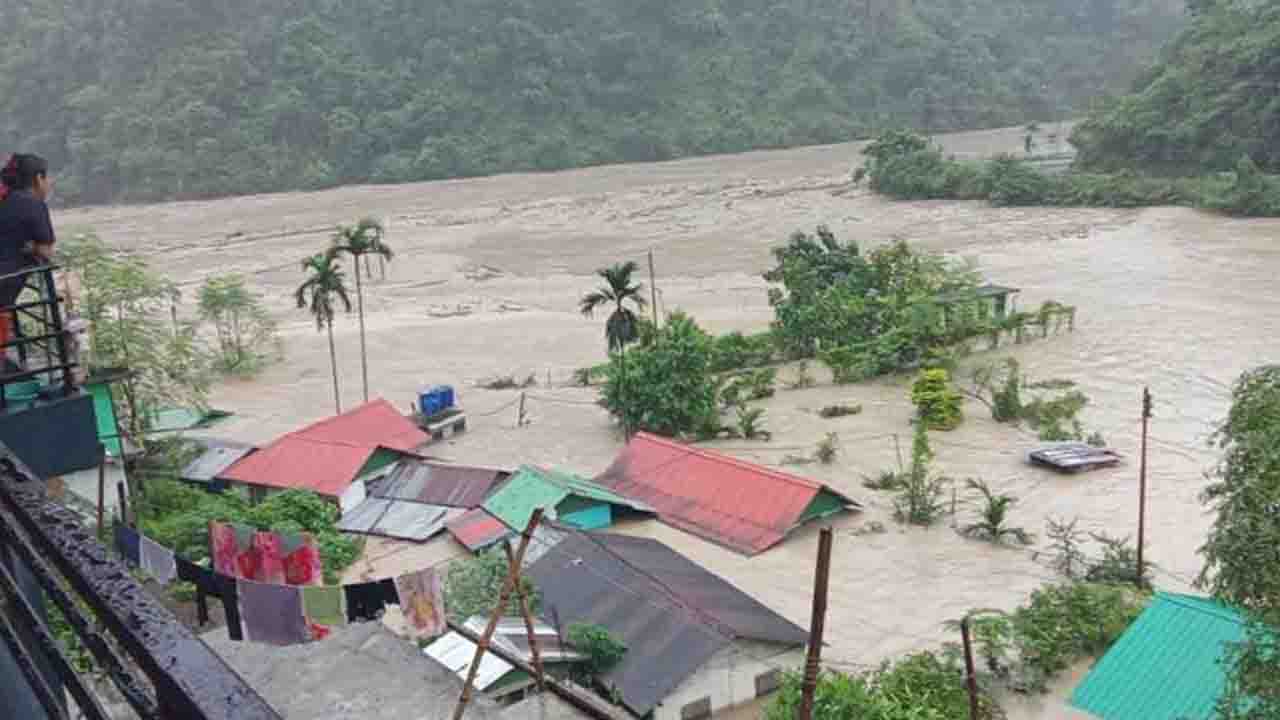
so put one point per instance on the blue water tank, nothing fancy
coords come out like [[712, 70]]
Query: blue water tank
[[435, 399]]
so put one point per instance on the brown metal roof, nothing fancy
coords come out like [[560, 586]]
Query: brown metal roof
[[437, 483], [672, 614]]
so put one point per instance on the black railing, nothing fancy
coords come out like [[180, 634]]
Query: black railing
[[158, 665], [38, 334]]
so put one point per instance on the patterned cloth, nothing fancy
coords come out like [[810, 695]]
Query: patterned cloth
[[242, 552], [270, 559], [422, 600], [324, 608]]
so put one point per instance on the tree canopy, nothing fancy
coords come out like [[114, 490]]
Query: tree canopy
[[1209, 102], [137, 100]]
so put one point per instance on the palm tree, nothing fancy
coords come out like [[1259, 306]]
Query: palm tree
[[623, 325], [361, 241], [325, 282]]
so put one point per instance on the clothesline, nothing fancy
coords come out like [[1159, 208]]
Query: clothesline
[[284, 614]]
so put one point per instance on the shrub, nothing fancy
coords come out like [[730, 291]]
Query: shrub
[[736, 351], [667, 388], [919, 500], [921, 686], [1010, 181], [804, 378], [750, 385], [750, 421], [473, 585], [994, 512], [937, 403], [886, 480], [600, 647]]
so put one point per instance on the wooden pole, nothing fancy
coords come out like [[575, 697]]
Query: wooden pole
[[512, 579], [653, 290], [1142, 489], [534, 653], [970, 675], [816, 626], [520, 414]]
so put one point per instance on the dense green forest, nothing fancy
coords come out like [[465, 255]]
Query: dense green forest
[[1213, 99], [149, 99]]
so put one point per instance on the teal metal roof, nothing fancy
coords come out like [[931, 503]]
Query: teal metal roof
[[531, 487], [1166, 665]]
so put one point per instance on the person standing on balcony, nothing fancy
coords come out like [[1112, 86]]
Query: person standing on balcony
[[26, 230]]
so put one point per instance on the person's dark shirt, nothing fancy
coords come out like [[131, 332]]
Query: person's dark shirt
[[24, 222]]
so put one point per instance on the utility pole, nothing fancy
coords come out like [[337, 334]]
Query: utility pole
[[513, 579], [1142, 489], [816, 626], [653, 290], [970, 675]]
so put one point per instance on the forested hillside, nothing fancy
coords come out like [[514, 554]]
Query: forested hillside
[[1213, 99], [149, 99]]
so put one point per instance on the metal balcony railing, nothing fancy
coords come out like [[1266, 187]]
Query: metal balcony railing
[[39, 337], [159, 666]]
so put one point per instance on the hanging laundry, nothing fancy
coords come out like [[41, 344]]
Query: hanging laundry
[[365, 601], [302, 564], [188, 571], [270, 559], [228, 592], [324, 607], [422, 600], [128, 544], [223, 548], [272, 614], [390, 595], [157, 560]]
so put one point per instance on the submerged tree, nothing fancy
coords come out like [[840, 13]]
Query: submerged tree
[[325, 283], [246, 333], [361, 241]]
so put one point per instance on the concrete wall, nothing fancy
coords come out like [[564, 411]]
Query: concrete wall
[[727, 679]]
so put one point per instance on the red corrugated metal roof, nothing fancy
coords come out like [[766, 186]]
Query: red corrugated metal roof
[[326, 457], [477, 529], [296, 462], [743, 506], [376, 423]]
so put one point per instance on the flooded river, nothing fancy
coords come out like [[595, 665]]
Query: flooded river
[[487, 275]]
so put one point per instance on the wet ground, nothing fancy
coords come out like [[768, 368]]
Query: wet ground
[[488, 272]]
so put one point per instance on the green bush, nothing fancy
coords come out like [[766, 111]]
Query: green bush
[[938, 405], [473, 585], [601, 648], [921, 686], [1007, 180], [668, 387], [736, 351]]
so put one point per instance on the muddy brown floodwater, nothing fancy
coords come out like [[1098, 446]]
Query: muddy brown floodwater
[[487, 275]]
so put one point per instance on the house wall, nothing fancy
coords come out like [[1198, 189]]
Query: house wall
[[737, 674], [585, 514]]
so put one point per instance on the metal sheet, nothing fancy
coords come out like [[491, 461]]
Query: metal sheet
[[438, 483], [397, 519], [217, 457], [455, 653], [477, 530], [742, 506]]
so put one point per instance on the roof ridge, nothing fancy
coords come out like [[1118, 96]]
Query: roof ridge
[[333, 418], [730, 460], [716, 624], [1220, 610]]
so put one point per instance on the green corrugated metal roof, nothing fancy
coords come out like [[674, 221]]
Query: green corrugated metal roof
[[531, 487], [1166, 665]]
